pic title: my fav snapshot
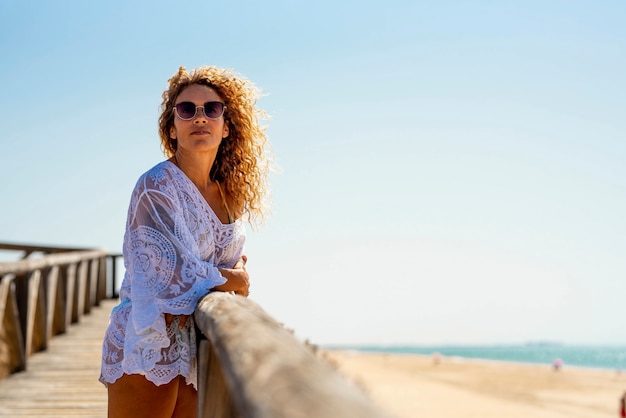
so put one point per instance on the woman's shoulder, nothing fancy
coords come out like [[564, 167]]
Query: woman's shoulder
[[160, 177]]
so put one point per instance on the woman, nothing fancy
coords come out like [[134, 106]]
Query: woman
[[184, 238]]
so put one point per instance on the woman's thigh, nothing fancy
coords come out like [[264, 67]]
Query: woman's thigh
[[187, 401], [135, 396]]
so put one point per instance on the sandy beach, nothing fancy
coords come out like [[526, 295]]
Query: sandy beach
[[410, 386]]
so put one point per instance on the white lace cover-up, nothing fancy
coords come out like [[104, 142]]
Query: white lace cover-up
[[173, 246]]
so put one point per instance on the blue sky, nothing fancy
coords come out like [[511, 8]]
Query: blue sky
[[450, 172]]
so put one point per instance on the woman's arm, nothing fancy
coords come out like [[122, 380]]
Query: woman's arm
[[162, 259], [238, 282], [237, 278]]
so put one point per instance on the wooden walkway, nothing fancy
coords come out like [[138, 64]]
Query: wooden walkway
[[63, 380]]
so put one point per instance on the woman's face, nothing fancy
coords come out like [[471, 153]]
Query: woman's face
[[199, 134]]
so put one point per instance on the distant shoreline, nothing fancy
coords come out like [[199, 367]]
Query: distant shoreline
[[604, 357]]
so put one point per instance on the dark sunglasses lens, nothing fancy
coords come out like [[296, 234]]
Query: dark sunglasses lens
[[186, 110], [213, 110]]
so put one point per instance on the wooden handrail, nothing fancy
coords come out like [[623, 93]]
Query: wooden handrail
[[252, 367], [41, 296], [29, 249], [56, 259]]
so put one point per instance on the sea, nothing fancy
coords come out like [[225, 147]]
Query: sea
[[597, 357]]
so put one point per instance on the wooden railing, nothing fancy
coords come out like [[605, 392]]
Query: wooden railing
[[44, 292], [250, 366]]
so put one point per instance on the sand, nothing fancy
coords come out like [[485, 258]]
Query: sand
[[410, 386]]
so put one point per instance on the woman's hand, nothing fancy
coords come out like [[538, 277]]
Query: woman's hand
[[241, 263], [237, 278], [238, 282]]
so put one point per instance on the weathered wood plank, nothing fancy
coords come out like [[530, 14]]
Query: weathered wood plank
[[63, 380], [12, 347], [24, 266], [217, 403], [270, 373], [82, 301], [37, 248], [52, 286], [71, 311], [93, 282], [35, 314]]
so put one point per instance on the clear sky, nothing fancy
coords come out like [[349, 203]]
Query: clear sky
[[451, 171]]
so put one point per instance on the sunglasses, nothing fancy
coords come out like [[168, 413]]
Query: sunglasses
[[188, 110]]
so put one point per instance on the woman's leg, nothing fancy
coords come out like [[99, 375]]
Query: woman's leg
[[132, 395], [187, 401]]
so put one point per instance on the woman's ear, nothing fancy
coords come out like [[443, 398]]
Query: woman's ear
[[172, 132], [226, 131]]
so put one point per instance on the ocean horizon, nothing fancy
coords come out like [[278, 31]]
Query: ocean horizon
[[611, 357]]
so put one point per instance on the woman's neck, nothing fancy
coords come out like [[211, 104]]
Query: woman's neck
[[196, 167]]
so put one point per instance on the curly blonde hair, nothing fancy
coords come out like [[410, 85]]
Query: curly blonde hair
[[242, 161]]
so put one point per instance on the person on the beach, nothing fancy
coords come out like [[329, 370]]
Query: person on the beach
[[184, 238], [622, 405]]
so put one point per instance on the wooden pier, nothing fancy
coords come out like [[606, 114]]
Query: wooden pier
[[62, 381], [54, 310]]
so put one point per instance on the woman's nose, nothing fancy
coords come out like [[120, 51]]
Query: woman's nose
[[200, 116]]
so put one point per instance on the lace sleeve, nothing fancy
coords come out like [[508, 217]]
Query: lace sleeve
[[163, 260]]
